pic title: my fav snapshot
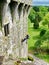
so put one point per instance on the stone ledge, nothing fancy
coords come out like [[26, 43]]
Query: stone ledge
[[11, 62], [27, 62]]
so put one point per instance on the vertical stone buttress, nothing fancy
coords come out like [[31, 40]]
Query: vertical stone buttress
[[20, 9], [25, 45], [7, 20], [25, 29], [22, 31], [15, 20], [2, 4]]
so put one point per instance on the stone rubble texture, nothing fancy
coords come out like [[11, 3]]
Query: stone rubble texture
[[14, 12]]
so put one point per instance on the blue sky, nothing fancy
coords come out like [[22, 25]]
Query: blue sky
[[41, 2]]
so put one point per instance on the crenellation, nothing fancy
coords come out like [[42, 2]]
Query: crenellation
[[28, 2]]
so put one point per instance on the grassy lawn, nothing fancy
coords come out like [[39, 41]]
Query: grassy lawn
[[33, 33], [44, 57], [34, 37]]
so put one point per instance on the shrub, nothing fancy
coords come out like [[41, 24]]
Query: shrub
[[36, 25], [42, 32]]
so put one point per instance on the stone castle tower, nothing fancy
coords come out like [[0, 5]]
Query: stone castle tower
[[13, 27]]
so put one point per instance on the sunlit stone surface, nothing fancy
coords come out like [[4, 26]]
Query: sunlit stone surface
[[14, 28]]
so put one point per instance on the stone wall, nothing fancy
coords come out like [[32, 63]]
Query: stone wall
[[14, 28]]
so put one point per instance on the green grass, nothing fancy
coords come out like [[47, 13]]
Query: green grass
[[33, 34], [35, 38], [45, 57]]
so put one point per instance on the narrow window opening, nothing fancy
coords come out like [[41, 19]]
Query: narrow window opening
[[6, 29]]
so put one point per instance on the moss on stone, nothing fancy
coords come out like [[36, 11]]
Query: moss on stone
[[23, 59], [17, 62], [30, 58]]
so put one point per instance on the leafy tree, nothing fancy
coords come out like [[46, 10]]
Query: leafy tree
[[37, 14], [36, 8], [45, 20], [32, 16], [43, 11]]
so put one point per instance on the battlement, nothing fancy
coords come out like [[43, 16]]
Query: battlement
[[28, 2]]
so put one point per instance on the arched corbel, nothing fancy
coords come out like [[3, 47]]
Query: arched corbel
[[20, 7], [14, 9], [28, 9], [24, 9]]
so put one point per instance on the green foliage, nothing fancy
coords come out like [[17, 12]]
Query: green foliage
[[45, 20], [36, 9], [32, 15], [38, 44], [36, 25], [43, 31], [39, 38], [37, 14], [43, 9], [44, 57]]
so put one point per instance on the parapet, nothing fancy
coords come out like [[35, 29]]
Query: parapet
[[27, 2]]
